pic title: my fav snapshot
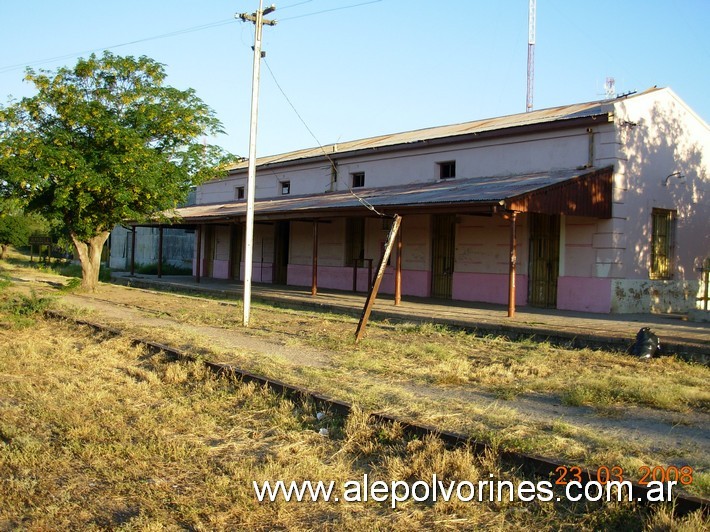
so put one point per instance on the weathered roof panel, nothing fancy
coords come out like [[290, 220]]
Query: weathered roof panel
[[563, 191], [542, 116]]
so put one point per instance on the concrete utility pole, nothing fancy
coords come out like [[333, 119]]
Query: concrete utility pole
[[259, 21], [531, 54]]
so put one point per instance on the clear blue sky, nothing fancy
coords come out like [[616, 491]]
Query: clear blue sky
[[379, 67]]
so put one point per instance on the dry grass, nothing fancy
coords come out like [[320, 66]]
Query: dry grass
[[97, 434], [434, 375], [438, 355], [427, 373]]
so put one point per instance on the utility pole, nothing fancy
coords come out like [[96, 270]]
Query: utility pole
[[259, 21], [531, 54]]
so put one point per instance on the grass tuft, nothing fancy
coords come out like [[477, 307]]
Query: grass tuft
[[21, 310]]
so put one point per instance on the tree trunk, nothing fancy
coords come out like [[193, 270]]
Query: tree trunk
[[89, 252], [3, 250]]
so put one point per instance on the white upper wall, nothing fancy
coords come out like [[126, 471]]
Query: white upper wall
[[504, 156], [660, 136]]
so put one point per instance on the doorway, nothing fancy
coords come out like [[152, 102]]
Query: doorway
[[544, 260], [443, 254], [282, 232]]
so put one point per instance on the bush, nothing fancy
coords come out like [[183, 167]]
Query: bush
[[23, 308], [167, 269]]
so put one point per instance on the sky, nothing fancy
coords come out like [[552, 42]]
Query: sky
[[339, 70]]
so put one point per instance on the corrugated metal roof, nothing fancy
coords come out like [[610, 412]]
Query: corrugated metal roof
[[542, 116], [450, 193]]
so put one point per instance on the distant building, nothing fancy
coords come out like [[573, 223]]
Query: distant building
[[608, 200], [178, 247]]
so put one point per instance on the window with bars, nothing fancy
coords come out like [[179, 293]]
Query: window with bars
[[447, 170], [662, 242]]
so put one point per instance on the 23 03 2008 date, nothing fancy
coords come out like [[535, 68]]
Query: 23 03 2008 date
[[682, 475]]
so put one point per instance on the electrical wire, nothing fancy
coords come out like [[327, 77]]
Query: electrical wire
[[295, 5], [363, 201], [329, 10], [19, 66], [192, 29]]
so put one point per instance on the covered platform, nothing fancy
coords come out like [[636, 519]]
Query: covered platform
[[689, 340]]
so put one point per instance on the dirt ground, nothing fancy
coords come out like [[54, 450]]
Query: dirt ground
[[156, 316]]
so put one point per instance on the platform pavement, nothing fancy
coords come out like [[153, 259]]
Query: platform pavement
[[678, 336]]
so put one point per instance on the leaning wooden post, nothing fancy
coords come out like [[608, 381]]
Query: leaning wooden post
[[160, 252], [398, 271], [133, 252], [378, 278], [314, 275], [511, 273], [199, 254]]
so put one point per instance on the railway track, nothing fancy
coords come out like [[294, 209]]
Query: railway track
[[531, 464]]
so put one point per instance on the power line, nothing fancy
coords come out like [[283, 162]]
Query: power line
[[329, 10], [20, 66], [295, 5], [363, 201], [192, 29]]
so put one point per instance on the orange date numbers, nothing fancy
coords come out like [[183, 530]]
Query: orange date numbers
[[605, 474]]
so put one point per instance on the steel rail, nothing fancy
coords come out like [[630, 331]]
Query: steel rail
[[683, 504]]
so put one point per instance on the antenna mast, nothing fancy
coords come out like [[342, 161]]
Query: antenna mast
[[531, 54]]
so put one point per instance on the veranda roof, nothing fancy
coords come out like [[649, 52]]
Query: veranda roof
[[578, 192]]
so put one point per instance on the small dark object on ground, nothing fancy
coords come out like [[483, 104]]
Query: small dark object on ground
[[647, 344]]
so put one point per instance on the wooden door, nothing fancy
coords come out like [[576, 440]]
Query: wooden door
[[443, 253], [281, 241], [236, 242], [544, 260]]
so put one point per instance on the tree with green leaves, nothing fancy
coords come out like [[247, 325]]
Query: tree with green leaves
[[15, 227], [105, 142]]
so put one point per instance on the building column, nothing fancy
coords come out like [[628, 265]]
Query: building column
[[398, 271], [314, 273], [511, 271], [160, 252], [133, 252], [198, 265]]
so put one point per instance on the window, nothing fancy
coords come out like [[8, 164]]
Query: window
[[447, 170], [358, 179], [662, 242], [238, 193], [285, 187]]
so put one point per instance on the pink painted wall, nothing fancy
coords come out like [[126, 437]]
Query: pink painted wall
[[488, 288], [220, 269], [332, 277], [586, 294], [414, 283]]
